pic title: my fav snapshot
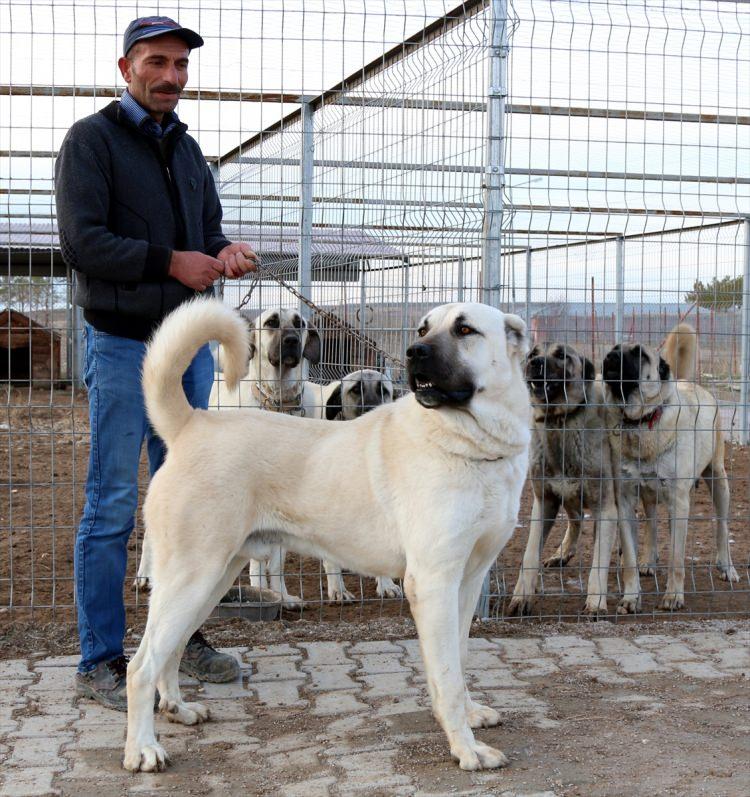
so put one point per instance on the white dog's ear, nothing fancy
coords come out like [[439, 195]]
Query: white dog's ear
[[516, 335], [312, 345]]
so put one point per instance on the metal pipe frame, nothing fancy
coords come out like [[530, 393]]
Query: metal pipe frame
[[306, 208], [745, 346]]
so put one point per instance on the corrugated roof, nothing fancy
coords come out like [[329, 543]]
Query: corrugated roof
[[266, 240]]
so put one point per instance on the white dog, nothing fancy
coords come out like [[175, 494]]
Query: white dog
[[426, 489], [282, 343], [344, 400]]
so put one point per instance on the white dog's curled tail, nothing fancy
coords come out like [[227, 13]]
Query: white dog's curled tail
[[171, 350]]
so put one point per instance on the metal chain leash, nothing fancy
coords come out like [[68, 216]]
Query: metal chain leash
[[326, 314]]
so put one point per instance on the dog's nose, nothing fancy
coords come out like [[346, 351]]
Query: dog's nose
[[290, 340], [419, 351]]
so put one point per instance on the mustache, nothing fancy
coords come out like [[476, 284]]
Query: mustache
[[170, 88]]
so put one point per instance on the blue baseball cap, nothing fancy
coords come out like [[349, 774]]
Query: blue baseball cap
[[151, 27]]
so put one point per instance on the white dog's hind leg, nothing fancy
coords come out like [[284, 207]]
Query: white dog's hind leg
[[337, 591], [171, 703], [143, 577], [387, 588], [716, 481], [434, 604], [177, 607]]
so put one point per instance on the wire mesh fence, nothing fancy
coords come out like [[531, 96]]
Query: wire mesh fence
[[583, 164]]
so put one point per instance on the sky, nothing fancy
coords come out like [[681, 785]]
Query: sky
[[673, 56]]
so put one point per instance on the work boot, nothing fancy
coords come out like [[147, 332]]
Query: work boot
[[105, 684], [206, 664]]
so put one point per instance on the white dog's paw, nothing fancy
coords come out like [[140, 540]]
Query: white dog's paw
[[520, 606], [145, 758], [595, 605], [558, 558], [289, 601], [340, 595], [727, 573], [142, 583], [480, 716], [629, 604], [672, 601], [479, 756], [647, 569], [184, 713], [387, 588]]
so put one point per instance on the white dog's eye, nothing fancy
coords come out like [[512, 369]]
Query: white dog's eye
[[422, 331], [465, 330]]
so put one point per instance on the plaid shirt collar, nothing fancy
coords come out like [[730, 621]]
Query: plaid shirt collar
[[143, 120]]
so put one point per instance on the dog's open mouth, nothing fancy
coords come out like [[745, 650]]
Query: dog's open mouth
[[431, 395]]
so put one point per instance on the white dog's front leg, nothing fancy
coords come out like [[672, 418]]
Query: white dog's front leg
[[257, 574], [543, 514], [630, 603], [674, 597], [434, 601], [606, 531], [337, 591], [479, 716], [387, 588], [276, 561]]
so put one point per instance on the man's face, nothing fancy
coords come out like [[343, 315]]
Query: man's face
[[156, 73]]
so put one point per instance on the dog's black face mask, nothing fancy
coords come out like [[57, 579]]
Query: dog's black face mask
[[621, 370], [557, 377], [434, 370]]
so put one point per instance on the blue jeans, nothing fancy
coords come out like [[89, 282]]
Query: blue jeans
[[118, 427]]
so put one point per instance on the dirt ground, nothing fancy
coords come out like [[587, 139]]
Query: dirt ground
[[597, 710], [44, 451]]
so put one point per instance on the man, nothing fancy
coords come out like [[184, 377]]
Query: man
[[140, 224]]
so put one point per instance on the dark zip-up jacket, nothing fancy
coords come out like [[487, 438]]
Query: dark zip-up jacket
[[124, 203]]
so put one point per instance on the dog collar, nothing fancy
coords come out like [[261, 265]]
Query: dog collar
[[651, 419], [289, 406]]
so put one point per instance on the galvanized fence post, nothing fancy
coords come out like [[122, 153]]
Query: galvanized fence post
[[494, 176], [494, 185], [745, 342], [620, 291], [306, 206]]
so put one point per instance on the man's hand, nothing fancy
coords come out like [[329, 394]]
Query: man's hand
[[194, 269], [238, 258]]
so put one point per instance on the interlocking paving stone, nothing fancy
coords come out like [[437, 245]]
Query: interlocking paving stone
[[355, 705], [326, 653], [28, 782], [270, 668]]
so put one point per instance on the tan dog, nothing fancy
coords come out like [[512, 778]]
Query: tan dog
[[426, 489], [665, 434], [570, 466]]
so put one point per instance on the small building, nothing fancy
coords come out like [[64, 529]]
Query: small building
[[29, 352]]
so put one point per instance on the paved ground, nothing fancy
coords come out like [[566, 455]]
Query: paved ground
[[595, 713]]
